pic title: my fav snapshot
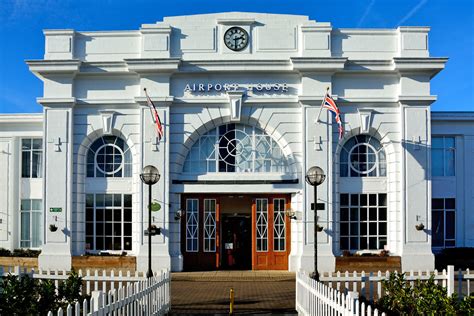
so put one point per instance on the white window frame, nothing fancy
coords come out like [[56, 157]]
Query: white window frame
[[365, 222], [445, 210], [30, 152], [445, 149], [274, 159], [30, 212], [378, 164], [124, 166], [93, 247]]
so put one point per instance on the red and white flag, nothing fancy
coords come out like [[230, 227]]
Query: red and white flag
[[330, 104], [155, 116]]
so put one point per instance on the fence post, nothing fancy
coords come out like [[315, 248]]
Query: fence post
[[96, 301], [450, 280], [354, 299]]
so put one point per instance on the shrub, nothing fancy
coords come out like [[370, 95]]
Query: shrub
[[19, 253], [23, 295], [424, 298]]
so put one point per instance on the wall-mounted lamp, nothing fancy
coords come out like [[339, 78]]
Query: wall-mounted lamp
[[177, 215], [419, 226], [291, 214], [319, 228]]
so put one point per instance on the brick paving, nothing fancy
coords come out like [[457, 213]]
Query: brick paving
[[256, 292]]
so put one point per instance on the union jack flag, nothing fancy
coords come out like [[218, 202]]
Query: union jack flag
[[155, 116], [330, 104]]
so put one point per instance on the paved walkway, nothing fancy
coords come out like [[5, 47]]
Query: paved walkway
[[256, 292]]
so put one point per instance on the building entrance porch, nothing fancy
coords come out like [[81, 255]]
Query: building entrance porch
[[237, 232]]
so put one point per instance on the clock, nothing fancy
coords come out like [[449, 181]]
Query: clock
[[236, 38]]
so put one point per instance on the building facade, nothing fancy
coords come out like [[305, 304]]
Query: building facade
[[239, 97]]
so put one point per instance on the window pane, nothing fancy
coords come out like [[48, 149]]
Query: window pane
[[36, 227], [25, 144], [25, 226], [437, 204], [36, 205], [25, 164], [344, 214], [450, 162], [344, 199], [450, 225], [25, 205], [37, 143], [438, 229], [450, 204], [437, 162]]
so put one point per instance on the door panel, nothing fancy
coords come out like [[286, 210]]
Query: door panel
[[270, 233], [200, 224]]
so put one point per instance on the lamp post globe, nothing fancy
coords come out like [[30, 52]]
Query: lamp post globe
[[149, 176], [314, 177]]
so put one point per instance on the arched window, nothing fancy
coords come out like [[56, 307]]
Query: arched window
[[235, 148], [363, 156], [109, 157]]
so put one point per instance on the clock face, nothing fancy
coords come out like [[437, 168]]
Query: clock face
[[236, 38]]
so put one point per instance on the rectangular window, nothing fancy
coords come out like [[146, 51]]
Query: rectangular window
[[209, 225], [363, 221], [109, 222], [279, 227], [31, 223], [192, 224], [31, 157], [444, 222], [262, 224], [443, 156]]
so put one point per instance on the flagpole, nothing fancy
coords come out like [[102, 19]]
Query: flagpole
[[321, 107]]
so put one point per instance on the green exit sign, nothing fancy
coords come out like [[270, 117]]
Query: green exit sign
[[56, 209]]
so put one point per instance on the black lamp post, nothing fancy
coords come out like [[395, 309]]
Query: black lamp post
[[314, 177], [150, 175]]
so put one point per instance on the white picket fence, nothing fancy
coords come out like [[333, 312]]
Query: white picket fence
[[112, 293], [93, 280], [315, 298], [369, 285], [146, 297]]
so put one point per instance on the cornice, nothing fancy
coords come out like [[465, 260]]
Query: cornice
[[57, 102], [157, 65], [355, 65], [236, 21], [431, 65], [21, 118], [452, 116], [417, 100], [160, 101], [103, 67], [53, 67], [318, 64], [225, 65], [86, 101]]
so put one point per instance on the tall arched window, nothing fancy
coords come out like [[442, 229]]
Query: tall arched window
[[235, 148], [109, 157], [363, 156]]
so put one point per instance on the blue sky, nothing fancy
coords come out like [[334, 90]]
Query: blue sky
[[22, 22]]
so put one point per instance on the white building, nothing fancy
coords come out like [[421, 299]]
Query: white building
[[239, 95]]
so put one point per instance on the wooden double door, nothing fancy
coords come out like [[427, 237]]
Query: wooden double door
[[212, 238]]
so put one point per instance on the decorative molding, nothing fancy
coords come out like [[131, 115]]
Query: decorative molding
[[154, 65], [107, 121], [235, 102], [365, 116], [57, 102], [318, 64], [236, 21], [244, 65]]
